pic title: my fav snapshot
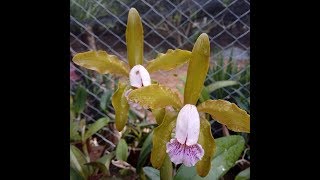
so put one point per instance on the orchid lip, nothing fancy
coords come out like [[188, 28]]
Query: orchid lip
[[139, 76]]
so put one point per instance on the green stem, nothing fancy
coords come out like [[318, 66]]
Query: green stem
[[84, 143]]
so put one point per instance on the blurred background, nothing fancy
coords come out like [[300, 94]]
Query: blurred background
[[168, 24]]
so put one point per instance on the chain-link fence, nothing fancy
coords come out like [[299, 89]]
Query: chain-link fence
[[168, 24]]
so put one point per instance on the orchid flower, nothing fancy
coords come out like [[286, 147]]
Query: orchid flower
[[184, 148], [193, 143], [134, 71]]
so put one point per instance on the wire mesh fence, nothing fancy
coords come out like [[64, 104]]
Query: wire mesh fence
[[168, 24]]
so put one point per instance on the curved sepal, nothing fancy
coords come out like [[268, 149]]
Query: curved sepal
[[162, 135], [121, 106], [197, 70], [155, 96], [228, 114], [168, 61], [207, 142], [102, 62], [134, 38]]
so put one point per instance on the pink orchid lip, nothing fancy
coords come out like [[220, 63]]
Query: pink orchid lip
[[184, 147], [139, 76]]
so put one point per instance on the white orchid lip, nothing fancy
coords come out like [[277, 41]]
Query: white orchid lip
[[139, 76], [184, 147]]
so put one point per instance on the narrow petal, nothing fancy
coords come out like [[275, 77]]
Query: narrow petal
[[193, 126], [192, 154], [188, 125], [134, 77], [175, 151]]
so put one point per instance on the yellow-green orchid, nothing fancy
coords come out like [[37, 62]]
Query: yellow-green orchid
[[193, 143], [138, 75]]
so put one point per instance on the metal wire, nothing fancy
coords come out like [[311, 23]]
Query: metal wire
[[167, 24]]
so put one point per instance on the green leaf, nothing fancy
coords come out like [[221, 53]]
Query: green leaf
[[155, 97], [229, 149], [99, 166], [106, 160], [162, 135], [96, 126], [220, 84], [208, 144], [152, 173], [74, 133], [228, 114], [145, 151], [105, 100], [168, 61], [166, 169], [197, 70], [77, 161], [122, 150], [80, 99], [101, 62], [74, 175], [159, 114], [243, 175], [205, 95], [121, 106], [134, 38]]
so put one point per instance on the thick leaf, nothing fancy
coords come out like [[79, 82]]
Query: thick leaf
[[152, 173], [197, 70], [77, 161], [122, 150], [74, 133], [155, 97], [207, 142], [96, 126], [159, 114], [228, 114], [134, 38], [80, 99], [105, 100], [74, 175], [243, 175], [162, 135], [106, 160], [145, 151], [98, 165], [166, 169], [121, 106], [220, 84], [102, 62], [228, 151], [168, 61]]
